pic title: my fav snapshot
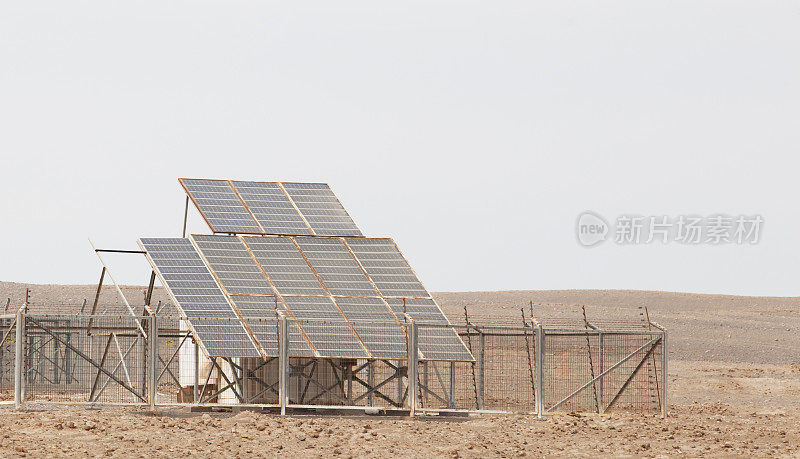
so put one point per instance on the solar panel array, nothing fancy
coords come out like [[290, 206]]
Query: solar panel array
[[297, 253], [196, 294], [270, 208]]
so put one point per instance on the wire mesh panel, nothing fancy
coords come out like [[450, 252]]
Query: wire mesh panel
[[7, 357], [594, 371], [636, 383], [98, 359], [569, 363], [173, 346], [505, 367], [446, 385]]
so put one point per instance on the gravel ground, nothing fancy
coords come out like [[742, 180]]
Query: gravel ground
[[734, 384]]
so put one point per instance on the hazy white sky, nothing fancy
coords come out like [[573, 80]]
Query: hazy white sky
[[474, 133]]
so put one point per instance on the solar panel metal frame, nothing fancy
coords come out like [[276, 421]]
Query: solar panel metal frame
[[178, 304]]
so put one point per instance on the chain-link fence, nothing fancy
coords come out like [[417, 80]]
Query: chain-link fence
[[7, 356], [162, 360]]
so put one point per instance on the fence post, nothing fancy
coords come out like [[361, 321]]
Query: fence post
[[664, 374], [481, 369], [371, 381], [413, 357], [601, 367], [19, 345], [152, 342], [283, 362], [196, 370], [539, 370]]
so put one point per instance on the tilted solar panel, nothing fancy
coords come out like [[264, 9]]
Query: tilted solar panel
[[336, 266], [220, 206], [195, 292], [325, 326], [233, 265], [387, 268], [243, 207], [285, 266], [376, 326], [259, 314], [241, 277], [272, 208], [437, 341], [321, 209]]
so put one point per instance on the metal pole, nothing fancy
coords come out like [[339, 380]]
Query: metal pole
[[399, 378], [413, 388], [349, 370], [243, 363], [481, 370], [371, 380], [539, 370], [283, 362], [452, 384], [185, 216], [151, 361], [425, 395], [196, 371], [19, 345], [601, 366], [664, 374]]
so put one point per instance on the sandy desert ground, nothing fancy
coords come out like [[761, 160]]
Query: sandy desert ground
[[734, 390]]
